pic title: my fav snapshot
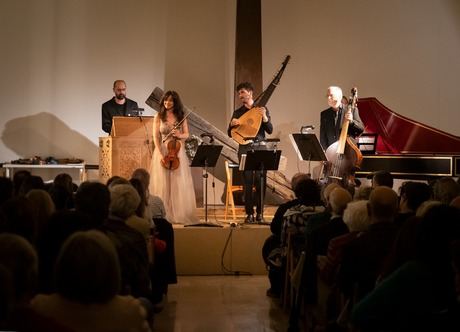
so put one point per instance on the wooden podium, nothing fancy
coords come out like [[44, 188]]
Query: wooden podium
[[129, 146]]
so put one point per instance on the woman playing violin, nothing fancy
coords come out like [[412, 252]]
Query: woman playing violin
[[171, 177]]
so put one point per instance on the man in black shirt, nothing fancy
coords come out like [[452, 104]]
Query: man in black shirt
[[119, 105], [332, 118], [245, 94]]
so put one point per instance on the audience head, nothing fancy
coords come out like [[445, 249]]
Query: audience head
[[425, 206], [308, 191], [63, 198], [114, 180], [382, 178], [296, 178], [31, 182], [143, 175], [382, 205], [19, 258], [363, 193], [19, 217], [327, 192], [355, 216], [18, 179], [412, 194], [6, 189], [64, 180], [124, 200], [338, 200], [93, 199], [43, 205], [445, 190], [137, 184], [87, 269], [437, 230]]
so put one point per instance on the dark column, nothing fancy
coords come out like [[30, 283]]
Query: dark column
[[248, 48]]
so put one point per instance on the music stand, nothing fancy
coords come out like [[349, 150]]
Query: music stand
[[308, 148], [260, 160], [206, 156]]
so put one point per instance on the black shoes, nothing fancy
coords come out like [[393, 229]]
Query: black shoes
[[259, 218], [249, 219]]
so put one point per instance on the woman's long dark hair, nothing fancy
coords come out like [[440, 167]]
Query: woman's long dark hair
[[178, 109]]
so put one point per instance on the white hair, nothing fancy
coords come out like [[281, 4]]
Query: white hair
[[336, 92], [356, 217]]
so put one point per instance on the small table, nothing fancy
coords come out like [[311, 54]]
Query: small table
[[9, 168]]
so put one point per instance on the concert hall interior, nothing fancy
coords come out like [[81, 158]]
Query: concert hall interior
[[59, 61]]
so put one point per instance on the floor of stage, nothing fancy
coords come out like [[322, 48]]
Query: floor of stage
[[217, 214], [234, 248]]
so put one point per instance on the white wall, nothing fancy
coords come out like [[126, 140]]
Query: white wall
[[59, 59]]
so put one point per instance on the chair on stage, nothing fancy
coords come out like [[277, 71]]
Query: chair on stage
[[230, 189]]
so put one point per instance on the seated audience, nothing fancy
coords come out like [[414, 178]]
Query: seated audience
[[363, 257], [88, 279], [272, 246], [43, 206], [420, 295], [6, 189], [18, 274], [411, 195], [130, 244], [382, 178], [19, 217], [445, 190]]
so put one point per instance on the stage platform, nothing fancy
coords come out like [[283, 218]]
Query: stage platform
[[235, 248]]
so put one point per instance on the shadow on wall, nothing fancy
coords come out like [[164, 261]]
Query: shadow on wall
[[45, 135]]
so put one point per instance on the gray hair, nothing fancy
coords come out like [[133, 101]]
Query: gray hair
[[124, 200], [356, 217]]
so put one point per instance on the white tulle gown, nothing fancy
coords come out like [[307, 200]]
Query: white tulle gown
[[174, 187]]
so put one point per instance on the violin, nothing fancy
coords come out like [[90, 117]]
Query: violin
[[171, 160]]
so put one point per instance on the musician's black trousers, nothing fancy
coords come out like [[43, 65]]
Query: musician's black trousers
[[253, 179]]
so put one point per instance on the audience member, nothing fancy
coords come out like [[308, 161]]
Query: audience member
[[6, 189], [357, 220], [62, 191], [31, 182], [411, 195], [445, 190], [382, 178], [321, 218], [43, 206], [271, 250], [18, 273], [363, 257], [363, 193], [116, 180], [93, 199], [155, 207], [420, 295], [87, 283], [18, 179], [130, 244], [19, 218], [61, 225]]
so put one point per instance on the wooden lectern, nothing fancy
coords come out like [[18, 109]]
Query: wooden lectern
[[129, 146]]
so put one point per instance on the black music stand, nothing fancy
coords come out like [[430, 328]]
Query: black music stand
[[206, 156], [260, 160], [308, 148]]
